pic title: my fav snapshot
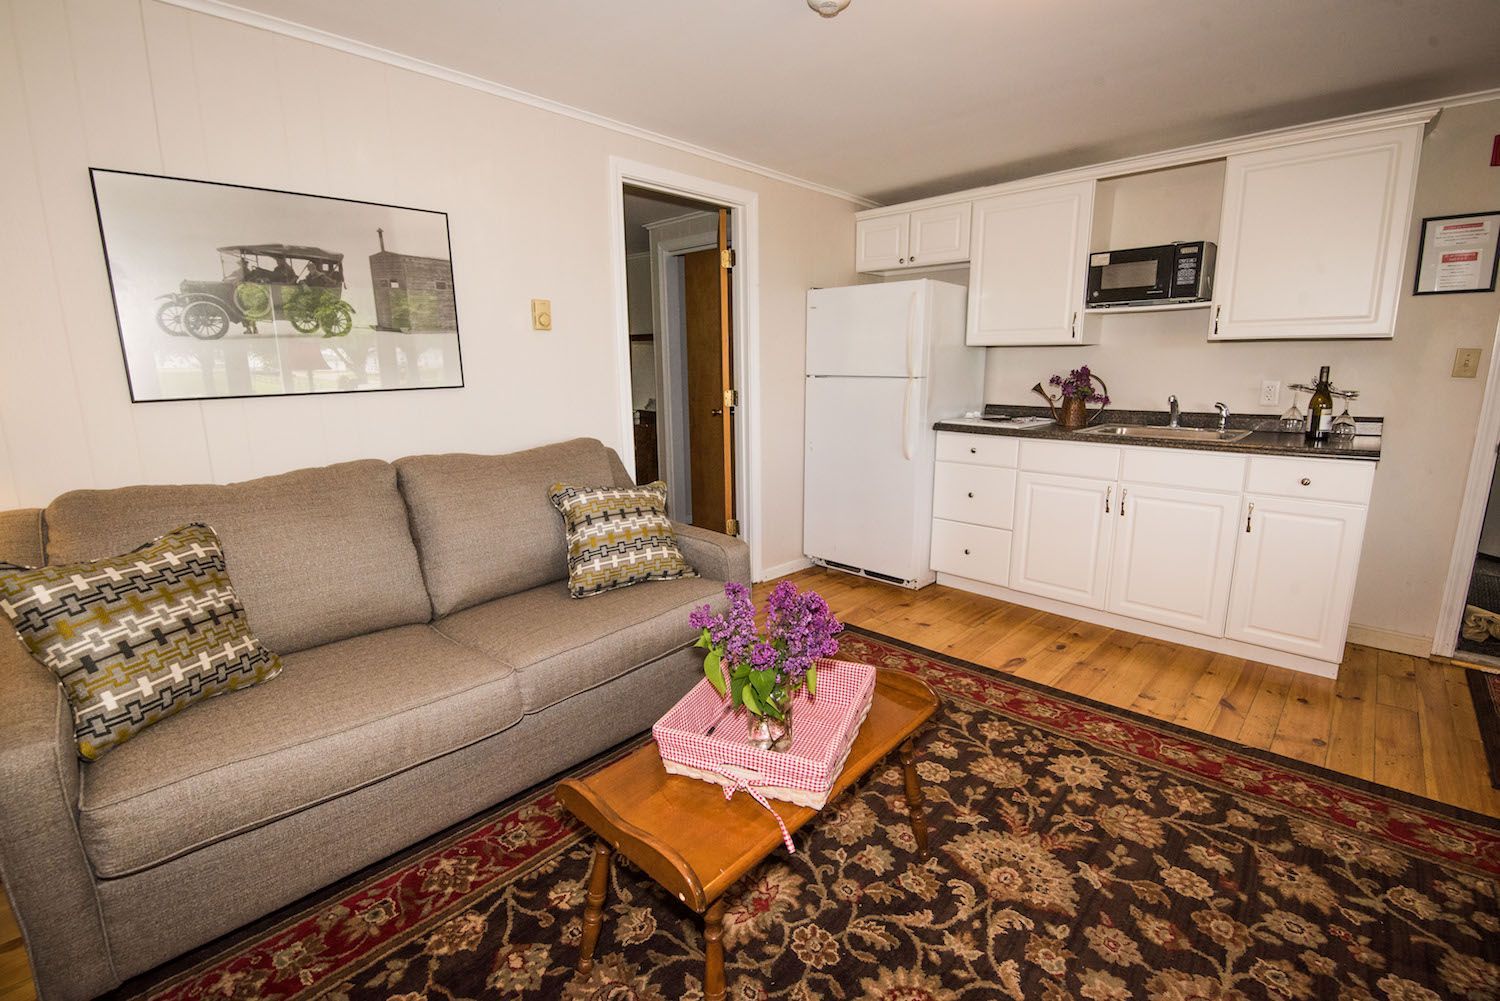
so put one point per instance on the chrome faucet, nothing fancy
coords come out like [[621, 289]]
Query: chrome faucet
[[1176, 420], [1223, 416]]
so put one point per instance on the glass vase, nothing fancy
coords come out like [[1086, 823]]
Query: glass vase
[[769, 733]]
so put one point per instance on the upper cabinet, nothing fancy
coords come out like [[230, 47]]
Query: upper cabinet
[[917, 239], [1029, 256], [1313, 237]]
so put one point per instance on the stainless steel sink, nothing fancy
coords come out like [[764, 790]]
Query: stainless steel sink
[[1164, 433]]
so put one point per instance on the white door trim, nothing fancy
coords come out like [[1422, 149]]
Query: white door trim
[[1471, 512], [671, 357], [745, 236]]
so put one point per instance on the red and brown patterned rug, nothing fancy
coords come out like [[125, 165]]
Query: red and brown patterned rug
[[1484, 687], [1079, 852]]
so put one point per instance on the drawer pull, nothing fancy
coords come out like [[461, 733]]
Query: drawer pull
[[966, 552], [971, 495], [973, 450], [1307, 481]]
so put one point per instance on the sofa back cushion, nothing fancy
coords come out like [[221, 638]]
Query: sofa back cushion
[[485, 525], [318, 554], [21, 537]]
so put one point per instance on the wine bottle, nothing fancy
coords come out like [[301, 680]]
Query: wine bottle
[[1320, 409]]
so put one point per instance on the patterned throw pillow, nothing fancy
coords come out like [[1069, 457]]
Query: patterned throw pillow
[[136, 638], [618, 536]]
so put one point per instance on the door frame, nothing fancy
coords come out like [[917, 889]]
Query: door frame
[[744, 220], [1471, 512]]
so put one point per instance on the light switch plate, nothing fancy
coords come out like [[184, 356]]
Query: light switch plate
[[541, 314], [1466, 363]]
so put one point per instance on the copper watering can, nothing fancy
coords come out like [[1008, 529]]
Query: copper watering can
[[1069, 412]]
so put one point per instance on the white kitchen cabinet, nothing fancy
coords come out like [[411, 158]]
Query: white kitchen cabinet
[[917, 239], [1313, 235], [973, 552], [1294, 572], [1173, 555], [1061, 543], [1027, 266], [880, 243]]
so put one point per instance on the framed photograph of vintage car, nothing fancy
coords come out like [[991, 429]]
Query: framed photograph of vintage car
[[223, 290]]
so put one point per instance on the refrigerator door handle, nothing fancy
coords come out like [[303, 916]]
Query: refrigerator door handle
[[911, 336], [906, 443]]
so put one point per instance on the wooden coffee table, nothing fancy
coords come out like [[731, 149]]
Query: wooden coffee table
[[687, 837]]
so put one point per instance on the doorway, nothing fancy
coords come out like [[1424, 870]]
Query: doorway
[[680, 335]]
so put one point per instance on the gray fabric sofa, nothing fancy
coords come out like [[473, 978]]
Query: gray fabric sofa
[[434, 666]]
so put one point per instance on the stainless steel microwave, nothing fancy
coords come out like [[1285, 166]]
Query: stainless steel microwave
[[1147, 276]]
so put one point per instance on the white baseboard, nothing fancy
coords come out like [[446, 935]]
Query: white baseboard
[[782, 569], [1386, 639]]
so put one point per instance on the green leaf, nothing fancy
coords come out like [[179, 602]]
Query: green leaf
[[737, 691], [763, 681], [812, 681], [703, 640], [750, 701], [712, 672]]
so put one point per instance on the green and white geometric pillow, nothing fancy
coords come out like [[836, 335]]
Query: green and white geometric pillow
[[139, 637], [618, 536]]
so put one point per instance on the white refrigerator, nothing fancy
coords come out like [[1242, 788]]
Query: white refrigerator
[[883, 363]]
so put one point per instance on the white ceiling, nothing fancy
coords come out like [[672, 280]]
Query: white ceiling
[[903, 98]]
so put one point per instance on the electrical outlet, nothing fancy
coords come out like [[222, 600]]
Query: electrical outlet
[[1270, 392], [1466, 363], [541, 314]]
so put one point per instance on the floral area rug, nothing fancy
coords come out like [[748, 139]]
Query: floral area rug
[[1484, 688], [1078, 852]]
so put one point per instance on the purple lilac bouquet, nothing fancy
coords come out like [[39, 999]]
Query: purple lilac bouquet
[[765, 668], [1079, 385]]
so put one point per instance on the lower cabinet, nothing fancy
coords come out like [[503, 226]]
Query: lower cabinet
[[1294, 574], [1060, 548], [972, 551], [1173, 556]]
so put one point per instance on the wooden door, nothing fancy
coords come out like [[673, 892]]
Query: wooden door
[[707, 317], [1061, 545], [1313, 237], [1294, 573], [1174, 553], [1028, 262]]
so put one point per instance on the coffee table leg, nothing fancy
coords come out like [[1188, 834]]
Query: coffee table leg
[[713, 934], [914, 796], [593, 914]]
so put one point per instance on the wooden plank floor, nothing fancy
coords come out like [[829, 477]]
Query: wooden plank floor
[[1402, 721]]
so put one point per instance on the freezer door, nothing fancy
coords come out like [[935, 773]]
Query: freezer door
[[868, 494], [869, 330]]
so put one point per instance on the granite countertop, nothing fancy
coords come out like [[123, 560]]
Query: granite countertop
[[1264, 438]]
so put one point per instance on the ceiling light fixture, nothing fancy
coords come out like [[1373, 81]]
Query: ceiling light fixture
[[828, 8]]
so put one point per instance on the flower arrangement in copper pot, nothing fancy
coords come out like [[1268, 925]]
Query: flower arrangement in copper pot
[[1077, 391]]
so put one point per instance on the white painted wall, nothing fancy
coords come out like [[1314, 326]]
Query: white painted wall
[[139, 85], [1432, 417]]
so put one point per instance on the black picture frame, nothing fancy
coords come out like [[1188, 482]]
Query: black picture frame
[[1423, 252], [417, 287]]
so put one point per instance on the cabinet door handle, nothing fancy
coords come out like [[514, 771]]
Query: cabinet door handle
[[911, 260], [1216, 321], [1124, 493], [1248, 513], [1107, 491], [1307, 481], [902, 261], [1074, 326]]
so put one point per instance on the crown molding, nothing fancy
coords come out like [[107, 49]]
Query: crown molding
[[327, 39], [674, 220]]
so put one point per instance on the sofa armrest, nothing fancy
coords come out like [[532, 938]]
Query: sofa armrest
[[42, 864], [715, 556]]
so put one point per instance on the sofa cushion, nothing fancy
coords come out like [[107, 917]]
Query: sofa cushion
[[318, 554], [560, 647], [341, 716], [21, 537], [484, 524], [137, 638], [618, 536]]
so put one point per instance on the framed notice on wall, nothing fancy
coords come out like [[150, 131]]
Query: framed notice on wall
[[1457, 254]]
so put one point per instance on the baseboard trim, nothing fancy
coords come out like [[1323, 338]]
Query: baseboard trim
[[1387, 639], [782, 569]]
